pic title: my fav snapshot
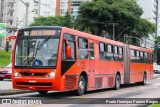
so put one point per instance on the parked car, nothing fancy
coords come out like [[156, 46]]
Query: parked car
[[5, 73], [156, 68]]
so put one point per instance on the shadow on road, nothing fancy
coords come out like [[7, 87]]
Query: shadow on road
[[69, 94]]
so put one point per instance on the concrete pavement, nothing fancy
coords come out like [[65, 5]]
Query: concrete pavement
[[6, 87]]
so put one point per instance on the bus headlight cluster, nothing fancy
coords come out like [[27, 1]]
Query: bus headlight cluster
[[16, 74], [52, 74]]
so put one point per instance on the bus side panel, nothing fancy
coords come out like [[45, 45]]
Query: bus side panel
[[71, 76], [150, 72], [135, 72]]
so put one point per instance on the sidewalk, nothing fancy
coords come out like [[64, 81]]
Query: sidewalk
[[8, 90]]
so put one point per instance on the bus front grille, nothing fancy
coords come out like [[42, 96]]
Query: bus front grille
[[32, 74], [34, 84], [70, 82]]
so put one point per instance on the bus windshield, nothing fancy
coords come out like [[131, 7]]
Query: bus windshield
[[36, 51]]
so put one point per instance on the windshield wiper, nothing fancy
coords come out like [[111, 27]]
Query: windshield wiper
[[26, 60], [42, 43], [34, 55]]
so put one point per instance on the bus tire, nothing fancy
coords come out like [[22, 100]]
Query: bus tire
[[42, 92], [117, 82], [81, 86], [144, 79]]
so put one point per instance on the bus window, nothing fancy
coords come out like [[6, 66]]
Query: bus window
[[109, 52], [69, 40], [141, 57], [120, 54], [91, 45], [138, 56], [82, 48], [116, 53], [146, 57], [133, 55], [101, 51]]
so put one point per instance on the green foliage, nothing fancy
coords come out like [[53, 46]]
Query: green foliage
[[157, 40], [4, 58], [54, 21], [99, 15], [154, 105]]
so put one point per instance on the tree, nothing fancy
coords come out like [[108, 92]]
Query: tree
[[99, 15], [54, 21], [157, 49]]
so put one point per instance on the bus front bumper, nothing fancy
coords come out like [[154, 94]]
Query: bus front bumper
[[36, 83]]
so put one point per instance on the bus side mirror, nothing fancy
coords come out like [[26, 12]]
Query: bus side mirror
[[7, 46], [7, 42], [68, 52]]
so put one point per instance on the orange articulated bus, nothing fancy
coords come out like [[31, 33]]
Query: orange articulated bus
[[63, 59]]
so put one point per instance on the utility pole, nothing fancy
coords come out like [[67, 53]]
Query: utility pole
[[1, 8], [39, 8], [113, 24], [27, 8], [157, 27]]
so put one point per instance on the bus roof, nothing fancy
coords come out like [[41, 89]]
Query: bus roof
[[42, 27], [140, 48], [93, 37], [85, 35]]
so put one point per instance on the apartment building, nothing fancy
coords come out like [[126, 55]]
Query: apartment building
[[13, 13], [71, 6]]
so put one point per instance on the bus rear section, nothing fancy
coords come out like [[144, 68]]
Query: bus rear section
[[138, 64]]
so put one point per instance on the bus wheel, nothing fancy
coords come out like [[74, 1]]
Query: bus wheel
[[42, 92], [117, 82], [81, 86], [144, 79]]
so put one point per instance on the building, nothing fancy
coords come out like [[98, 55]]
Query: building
[[37, 8], [71, 6], [13, 13], [151, 9]]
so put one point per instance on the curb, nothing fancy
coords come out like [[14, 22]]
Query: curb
[[12, 91]]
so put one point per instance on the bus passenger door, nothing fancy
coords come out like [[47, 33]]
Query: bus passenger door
[[91, 77]]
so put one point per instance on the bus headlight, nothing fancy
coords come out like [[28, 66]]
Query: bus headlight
[[16, 74], [52, 74]]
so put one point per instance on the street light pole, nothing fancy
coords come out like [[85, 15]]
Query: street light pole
[[122, 32], [27, 9]]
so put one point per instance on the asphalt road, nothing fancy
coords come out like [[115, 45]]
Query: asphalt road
[[93, 98]]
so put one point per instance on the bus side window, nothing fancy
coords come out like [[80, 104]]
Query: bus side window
[[82, 48], [116, 52], [69, 40], [138, 56], [91, 52], [133, 55], [110, 52], [101, 51], [120, 54], [141, 57]]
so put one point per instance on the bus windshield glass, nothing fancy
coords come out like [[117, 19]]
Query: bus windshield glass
[[36, 51]]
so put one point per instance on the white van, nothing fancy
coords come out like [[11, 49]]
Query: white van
[[156, 68]]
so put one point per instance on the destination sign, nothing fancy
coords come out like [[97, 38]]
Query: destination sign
[[41, 33]]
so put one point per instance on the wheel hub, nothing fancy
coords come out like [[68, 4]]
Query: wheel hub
[[81, 85]]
